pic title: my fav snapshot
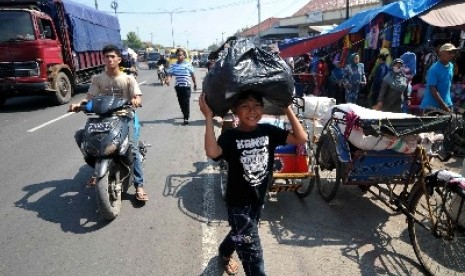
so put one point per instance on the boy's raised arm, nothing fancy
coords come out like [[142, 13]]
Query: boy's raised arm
[[212, 149]]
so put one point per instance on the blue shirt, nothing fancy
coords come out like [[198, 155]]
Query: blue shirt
[[439, 75], [182, 72]]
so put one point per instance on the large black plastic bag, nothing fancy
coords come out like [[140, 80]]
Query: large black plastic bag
[[245, 67]]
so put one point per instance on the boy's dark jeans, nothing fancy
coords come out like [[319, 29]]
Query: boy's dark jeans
[[184, 96], [244, 238]]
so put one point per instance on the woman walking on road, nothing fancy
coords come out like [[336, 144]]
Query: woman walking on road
[[183, 71]]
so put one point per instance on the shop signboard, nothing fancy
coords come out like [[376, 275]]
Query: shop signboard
[[315, 16]]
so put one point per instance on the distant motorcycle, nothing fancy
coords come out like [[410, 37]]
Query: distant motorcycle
[[161, 74], [105, 147], [129, 71]]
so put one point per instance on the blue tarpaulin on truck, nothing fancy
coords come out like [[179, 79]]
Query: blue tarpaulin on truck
[[90, 29]]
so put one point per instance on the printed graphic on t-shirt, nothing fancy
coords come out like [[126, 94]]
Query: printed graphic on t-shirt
[[254, 158], [113, 90]]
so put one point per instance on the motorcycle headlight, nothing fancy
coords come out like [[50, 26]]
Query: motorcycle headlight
[[110, 149]]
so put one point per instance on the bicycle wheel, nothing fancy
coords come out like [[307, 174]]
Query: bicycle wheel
[[328, 175], [440, 247], [306, 188], [309, 183]]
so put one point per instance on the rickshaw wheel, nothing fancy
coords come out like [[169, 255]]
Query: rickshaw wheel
[[439, 246], [328, 174], [307, 187]]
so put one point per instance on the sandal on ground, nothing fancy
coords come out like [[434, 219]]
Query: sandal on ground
[[91, 182], [230, 265], [142, 196]]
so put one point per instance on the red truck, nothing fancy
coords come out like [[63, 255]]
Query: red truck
[[47, 47]]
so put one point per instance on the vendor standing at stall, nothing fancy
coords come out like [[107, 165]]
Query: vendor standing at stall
[[437, 93]]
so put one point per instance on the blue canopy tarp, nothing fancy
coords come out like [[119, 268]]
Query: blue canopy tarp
[[402, 9]]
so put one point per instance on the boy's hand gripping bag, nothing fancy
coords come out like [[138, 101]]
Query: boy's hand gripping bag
[[245, 67]]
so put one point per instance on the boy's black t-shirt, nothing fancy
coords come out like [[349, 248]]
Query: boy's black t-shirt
[[250, 157]]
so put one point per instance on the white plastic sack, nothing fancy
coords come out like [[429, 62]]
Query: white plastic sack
[[318, 107], [406, 145], [315, 127], [365, 113]]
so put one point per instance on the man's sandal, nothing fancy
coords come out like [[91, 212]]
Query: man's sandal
[[142, 196], [231, 266]]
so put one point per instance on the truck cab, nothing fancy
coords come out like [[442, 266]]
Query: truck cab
[[28, 45], [46, 47]]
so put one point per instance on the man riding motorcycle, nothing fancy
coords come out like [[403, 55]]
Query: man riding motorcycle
[[162, 65], [164, 62], [113, 82], [128, 64]]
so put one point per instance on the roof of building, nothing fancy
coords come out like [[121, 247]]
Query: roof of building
[[326, 5], [263, 26]]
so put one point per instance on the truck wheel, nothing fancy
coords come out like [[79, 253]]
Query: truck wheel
[[64, 89], [2, 101]]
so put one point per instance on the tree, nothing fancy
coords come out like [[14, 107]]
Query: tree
[[133, 41]]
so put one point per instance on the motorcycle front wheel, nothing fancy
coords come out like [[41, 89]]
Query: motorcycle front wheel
[[108, 192], [161, 78]]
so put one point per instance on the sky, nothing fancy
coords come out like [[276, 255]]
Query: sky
[[197, 24]]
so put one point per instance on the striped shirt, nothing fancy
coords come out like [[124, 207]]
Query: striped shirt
[[182, 72]]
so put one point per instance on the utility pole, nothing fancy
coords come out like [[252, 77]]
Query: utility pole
[[171, 19], [172, 29], [347, 9], [260, 20], [151, 38], [222, 37], [96, 5], [114, 5]]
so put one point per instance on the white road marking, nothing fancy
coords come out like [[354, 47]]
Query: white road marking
[[59, 118], [50, 122]]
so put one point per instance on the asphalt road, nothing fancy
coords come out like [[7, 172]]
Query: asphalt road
[[50, 225]]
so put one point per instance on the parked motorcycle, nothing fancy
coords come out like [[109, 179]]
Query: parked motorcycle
[[105, 147], [161, 74]]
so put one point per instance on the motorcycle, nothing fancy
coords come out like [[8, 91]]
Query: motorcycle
[[105, 147], [129, 71], [161, 74]]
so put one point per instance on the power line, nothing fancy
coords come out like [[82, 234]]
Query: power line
[[193, 10]]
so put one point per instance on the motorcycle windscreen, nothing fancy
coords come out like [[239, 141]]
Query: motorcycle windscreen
[[105, 104]]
